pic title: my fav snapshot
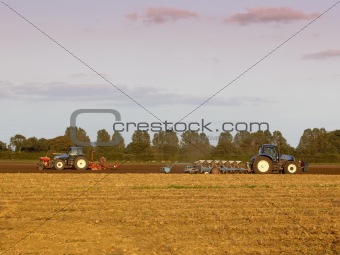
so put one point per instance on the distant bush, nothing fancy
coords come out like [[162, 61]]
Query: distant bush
[[320, 158], [9, 155]]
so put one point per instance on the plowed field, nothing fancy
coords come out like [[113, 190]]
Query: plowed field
[[44, 213], [17, 167]]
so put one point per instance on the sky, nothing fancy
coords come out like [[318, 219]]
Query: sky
[[221, 61]]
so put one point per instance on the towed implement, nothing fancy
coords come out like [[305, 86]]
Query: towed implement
[[101, 165], [75, 158], [216, 167], [209, 167], [167, 169]]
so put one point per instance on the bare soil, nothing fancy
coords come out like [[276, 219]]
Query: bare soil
[[17, 167], [168, 214]]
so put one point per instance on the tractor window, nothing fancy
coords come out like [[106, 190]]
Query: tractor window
[[267, 151], [271, 151], [73, 151]]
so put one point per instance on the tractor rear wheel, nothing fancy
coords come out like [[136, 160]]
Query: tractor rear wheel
[[263, 165], [291, 168], [215, 170], [81, 163], [59, 164]]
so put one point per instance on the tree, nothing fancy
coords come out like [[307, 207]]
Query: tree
[[17, 142], [140, 145], [281, 143], [103, 136], [60, 144], [31, 145], [243, 143], [80, 134], [3, 146], [43, 144], [117, 137], [316, 141], [194, 145], [118, 149], [305, 146], [335, 140], [247, 143], [34, 144], [260, 137], [324, 141], [166, 144], [113, 151], [225, 144]]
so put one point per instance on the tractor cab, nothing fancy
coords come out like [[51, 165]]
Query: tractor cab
[[269, 150], [75, 151]]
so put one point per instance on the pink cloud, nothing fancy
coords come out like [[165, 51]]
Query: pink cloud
[[323, 54], [160, 15], [268, 14], [132, 16]]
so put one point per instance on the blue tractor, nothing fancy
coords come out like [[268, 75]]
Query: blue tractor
[[268, 160], [75, 158]]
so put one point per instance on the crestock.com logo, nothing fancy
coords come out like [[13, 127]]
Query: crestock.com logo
[[73, 126], [178, 127]]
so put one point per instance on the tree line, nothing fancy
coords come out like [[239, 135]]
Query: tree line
[[316, 145]]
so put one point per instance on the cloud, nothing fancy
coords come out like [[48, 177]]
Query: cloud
[[146, 96], [86, 75], [53, 91], [159, 15], [269, 14], [132, 16], [332, 53], [89, 29]]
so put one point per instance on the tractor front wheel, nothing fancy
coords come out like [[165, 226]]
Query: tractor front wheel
[[59, 164], [291, 168], [81, 163], [263, 165]]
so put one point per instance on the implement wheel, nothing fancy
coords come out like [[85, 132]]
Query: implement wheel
[[263, 165], [215, 170], [291, 168], [81, 163], [40, 166]]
